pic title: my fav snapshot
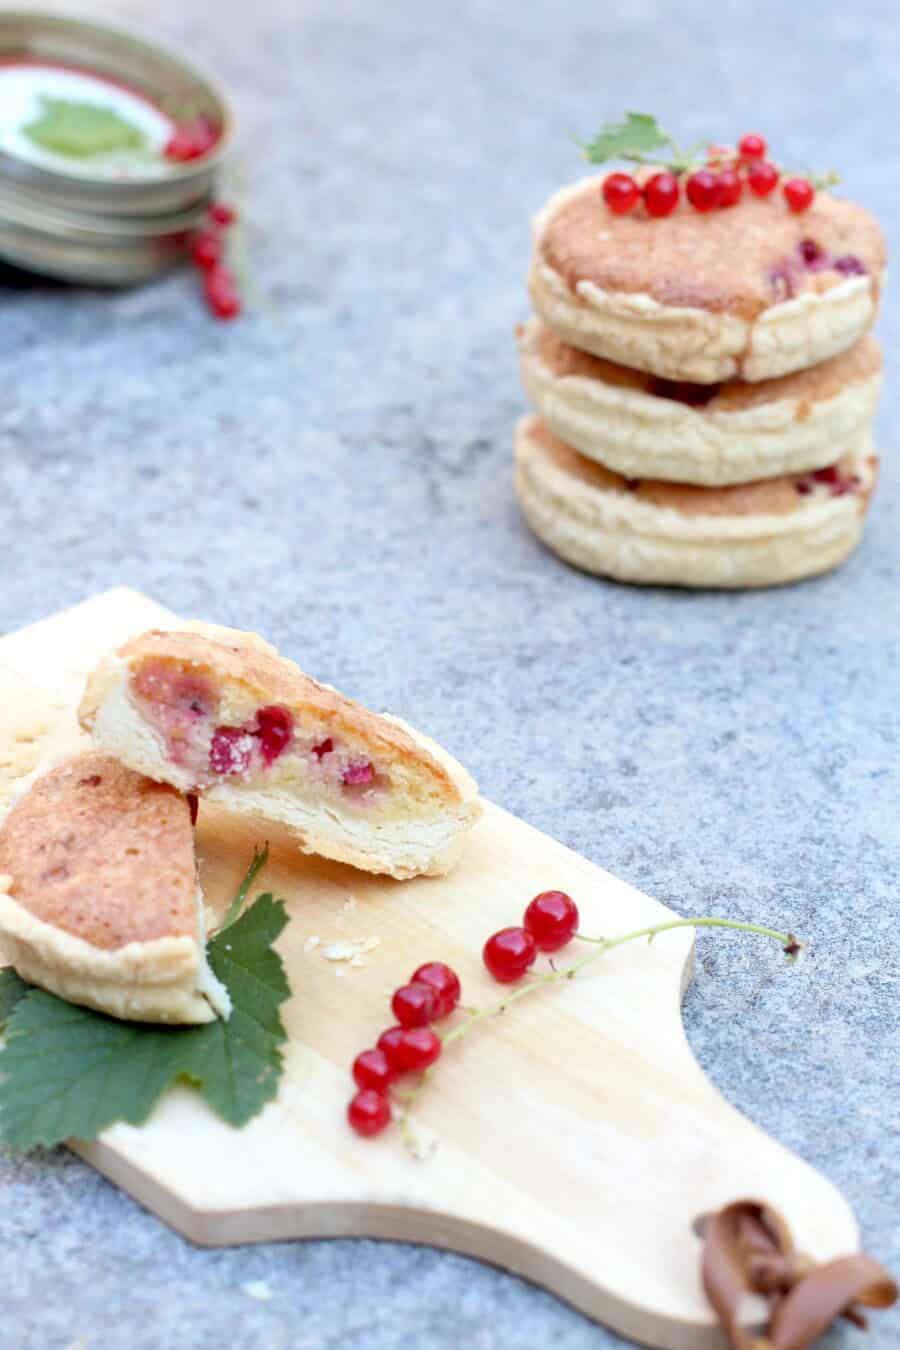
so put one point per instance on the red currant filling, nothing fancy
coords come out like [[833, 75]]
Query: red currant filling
[[812, 254], [275, 731], [231, 748], [850, 266], [832, 477], [230, 751], [361, 773], [694, 395], [181, 704], [323, 748], [817, 259], [169, 687]]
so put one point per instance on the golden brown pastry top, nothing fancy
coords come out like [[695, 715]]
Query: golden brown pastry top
[[862, 362], [725, 261], [103, 854], [767, 496]]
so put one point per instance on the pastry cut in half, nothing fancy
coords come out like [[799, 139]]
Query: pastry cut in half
[[219, 713], [749, 294], [643, 530], [712, 435], [99, 901]]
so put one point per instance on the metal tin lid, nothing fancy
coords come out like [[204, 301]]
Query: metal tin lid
[[87, 111]]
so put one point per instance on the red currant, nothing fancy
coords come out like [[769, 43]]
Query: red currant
[[275, 729], [373, 1069], [620, 192], [762, 178], [509, 953], [414, 1005], [369, 1112], [752, 146], [730, 187], [388, 1042], [190, 140], [661, 194], [551, 919], [417, 1049], [206, 249], [444, 982], [180, 146], [798, 193], [221, 293], [703, 190], [223, 215]]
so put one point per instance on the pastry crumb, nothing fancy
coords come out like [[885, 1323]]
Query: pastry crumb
[[339, 951], [257, 1289], [311, 943]]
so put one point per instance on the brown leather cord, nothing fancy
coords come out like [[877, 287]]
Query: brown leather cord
[[748, 1250]]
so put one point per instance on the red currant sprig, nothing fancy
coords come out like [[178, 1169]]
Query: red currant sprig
[[549, 923], [208, 254], [410, 1047], [715, 182]]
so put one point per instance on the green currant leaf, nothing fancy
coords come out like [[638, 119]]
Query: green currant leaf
[[68, 1072], [80, 130], [636, 136], [11, 990]]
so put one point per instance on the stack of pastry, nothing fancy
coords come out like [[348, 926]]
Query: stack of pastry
[[705, 387]]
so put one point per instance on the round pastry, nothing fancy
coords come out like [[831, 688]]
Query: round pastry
[[646, 427], [753, 534], [219, 713], [99, 901], [751, 293]]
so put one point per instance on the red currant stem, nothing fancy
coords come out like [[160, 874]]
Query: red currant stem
[[818, 180], [609, 943], [260, 858], [602, 945]]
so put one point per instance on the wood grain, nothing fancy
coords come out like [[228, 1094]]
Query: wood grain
[[574, 1140]]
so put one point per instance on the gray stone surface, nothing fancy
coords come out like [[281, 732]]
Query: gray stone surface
[[338, 476]]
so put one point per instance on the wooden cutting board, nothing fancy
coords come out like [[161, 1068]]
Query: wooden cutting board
[[575, 1140]]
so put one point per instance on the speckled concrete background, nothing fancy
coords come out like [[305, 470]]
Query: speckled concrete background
[[339, 477]]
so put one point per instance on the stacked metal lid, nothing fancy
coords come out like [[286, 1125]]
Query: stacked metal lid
[[114, 209]]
